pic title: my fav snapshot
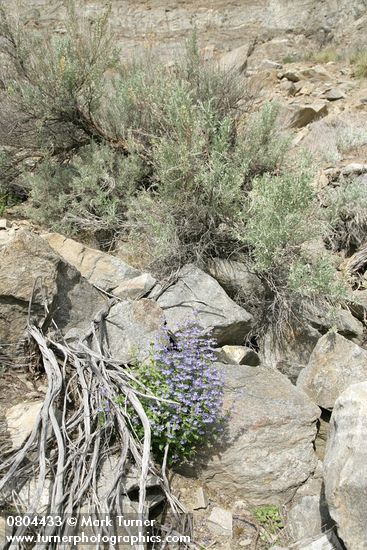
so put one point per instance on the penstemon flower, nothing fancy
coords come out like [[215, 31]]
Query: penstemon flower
[[184, 373]]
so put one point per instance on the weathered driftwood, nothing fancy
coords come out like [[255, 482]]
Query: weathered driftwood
[[69, 442]]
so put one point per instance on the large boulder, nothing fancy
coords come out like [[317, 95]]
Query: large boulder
[[132, 327], [345, 471], [294, 345], [101, 269], [198, 297], [335, 364], [343, 321], [317, 73], [135, 288], [238, 281], [266, 451], [31, 270], [291, 75]]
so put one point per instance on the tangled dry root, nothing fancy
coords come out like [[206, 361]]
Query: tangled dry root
[[69, 442]]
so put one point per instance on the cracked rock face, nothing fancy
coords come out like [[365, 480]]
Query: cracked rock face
[[268, 448], [335, 364], [31, 270], [345, 472], [132, 327], [222, 25], [100, 269], [196, 296]]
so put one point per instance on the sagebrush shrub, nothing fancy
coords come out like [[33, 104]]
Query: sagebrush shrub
[[282, 218], [203, 173], [164, 160], [148, 100], [56, 81], [184, 377], [154, 155], [317, 279], [264, 145], [347, 214], [87, 193], [282, 214]]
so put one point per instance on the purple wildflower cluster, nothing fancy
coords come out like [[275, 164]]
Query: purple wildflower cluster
[[184, 373]]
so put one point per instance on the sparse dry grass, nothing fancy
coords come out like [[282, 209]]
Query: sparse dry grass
[[359, 63], [324, 55], [356, 56]]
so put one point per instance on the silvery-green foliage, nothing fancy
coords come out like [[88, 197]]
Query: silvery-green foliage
[[282, 214], [162, 158], [347, 213], [88, 192], [56, 81]]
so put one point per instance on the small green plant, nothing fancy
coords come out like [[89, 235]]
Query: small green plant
[[3, 204], [326, 55], [271, 520], [7, 200], [290, 58], [359, 62]]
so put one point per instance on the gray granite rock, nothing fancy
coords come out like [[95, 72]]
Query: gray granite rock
[[335, 364], [198, 297]]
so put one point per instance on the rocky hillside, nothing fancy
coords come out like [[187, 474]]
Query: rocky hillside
[[80, 325], [279, 399], [278, 28]]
